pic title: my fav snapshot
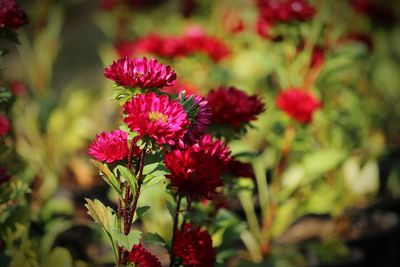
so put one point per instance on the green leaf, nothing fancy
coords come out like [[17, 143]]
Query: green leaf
[[59, 257], [127, 175], [155, 239], [107, 175], [141, 210], [155, 169], [129, 240], [104, 216], [320, 162], [9, 35], [101, 214], [361, 181], [225, 254]]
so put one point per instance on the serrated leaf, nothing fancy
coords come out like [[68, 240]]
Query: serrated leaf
[[127, 175], [101, 214], [107, 175], [129, 240], [105, 217]]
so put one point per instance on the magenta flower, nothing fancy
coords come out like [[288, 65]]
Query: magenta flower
[[140, 72], [110, 147], [156, 117]]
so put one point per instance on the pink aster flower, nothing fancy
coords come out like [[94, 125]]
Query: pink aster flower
[[4, 125], [298, 104], [140, 72], [143, 258], [233, 107], [110, 147], [11, 14], [156, 117]]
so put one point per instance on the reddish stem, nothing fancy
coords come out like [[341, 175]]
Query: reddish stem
[[175, 227]]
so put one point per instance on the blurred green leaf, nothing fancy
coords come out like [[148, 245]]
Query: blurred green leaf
[[140, 211], [361, 181], [59, 257], [155, 239]]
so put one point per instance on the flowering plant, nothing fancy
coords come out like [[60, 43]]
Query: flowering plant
[[164, 134]]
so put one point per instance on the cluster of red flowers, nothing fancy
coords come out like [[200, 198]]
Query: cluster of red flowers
[[233, 107], [194, 41], [143, 258], [194, 247], [298, 104], [196, 170], [11, 15], [140, 73], [272, 12]]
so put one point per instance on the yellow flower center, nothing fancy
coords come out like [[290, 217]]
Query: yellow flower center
[[157, 116]]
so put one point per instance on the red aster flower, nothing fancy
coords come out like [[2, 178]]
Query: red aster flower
[[4, 125], [298, 104], [285, 11], [233, 107], [156, 117], [216, 150], [197, 41], [193, 173], [110, 147], [11, 15], [140, 72], [194, 247], [163, 46], [196, 169], [143, 258]]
